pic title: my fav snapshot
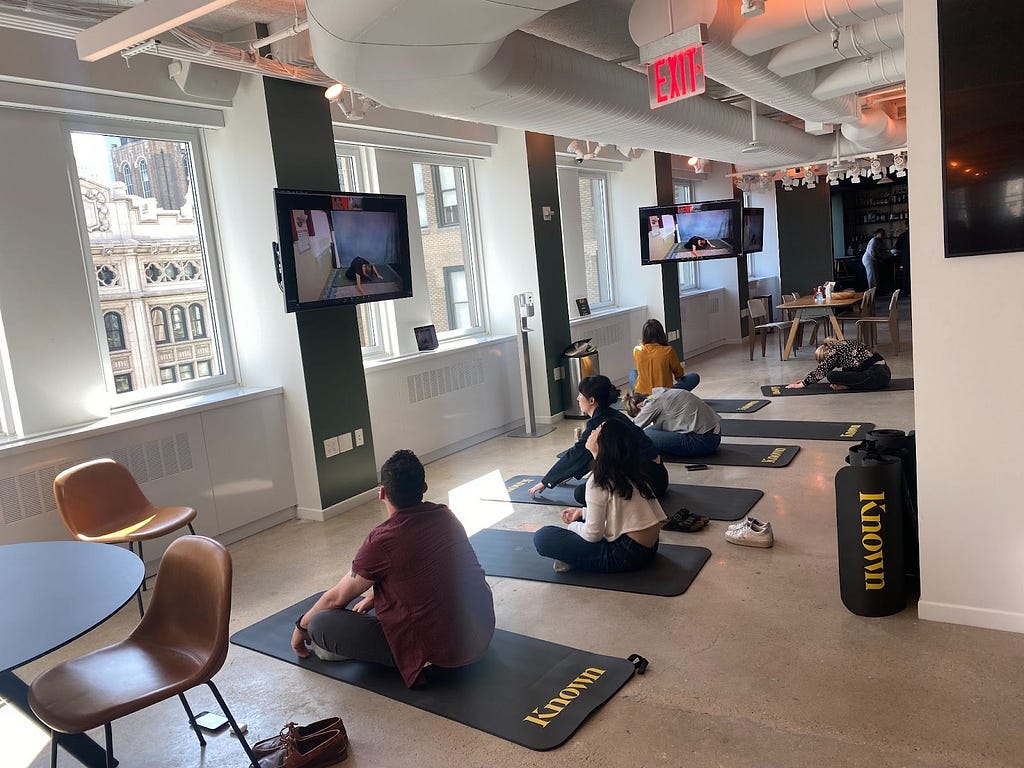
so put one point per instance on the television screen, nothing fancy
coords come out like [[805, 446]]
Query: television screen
[[342, 248], [690, 231], [753, 230]]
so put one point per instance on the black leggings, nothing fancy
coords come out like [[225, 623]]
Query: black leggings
[[655, 472], [875, 376]]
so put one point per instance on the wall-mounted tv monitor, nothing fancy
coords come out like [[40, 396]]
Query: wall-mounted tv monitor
[[753, 230], [690, 231], [342, 248]]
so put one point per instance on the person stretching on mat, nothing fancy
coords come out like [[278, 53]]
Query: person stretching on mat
[[657, 364], [678, 422], [597, 393], [360, 269], [431, 601], [618, 530], [848, 365]]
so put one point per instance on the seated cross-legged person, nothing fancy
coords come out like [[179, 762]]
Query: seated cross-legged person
[[618, 530], [656, 363], [431, 604], [678, 422]]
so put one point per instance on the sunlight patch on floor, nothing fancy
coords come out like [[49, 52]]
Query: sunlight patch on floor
[[474, 513], [22, 738]]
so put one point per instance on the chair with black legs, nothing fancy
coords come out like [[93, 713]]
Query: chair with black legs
[[100, 501], [181, 643]]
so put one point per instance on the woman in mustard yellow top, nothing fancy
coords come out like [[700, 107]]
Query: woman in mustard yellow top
[[657, 364]]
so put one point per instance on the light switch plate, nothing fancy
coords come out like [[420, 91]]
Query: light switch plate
[[331, 447], [359, 437], [345, 442]]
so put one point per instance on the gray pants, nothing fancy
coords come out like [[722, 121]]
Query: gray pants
[[345, 634]]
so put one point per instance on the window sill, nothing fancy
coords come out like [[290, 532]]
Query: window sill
[[603, 312], [136, 417], [455, 345]]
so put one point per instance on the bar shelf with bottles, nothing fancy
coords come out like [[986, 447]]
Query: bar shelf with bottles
[[882, 207]]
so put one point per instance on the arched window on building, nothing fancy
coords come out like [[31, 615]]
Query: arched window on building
[[147, 189], [126, 171], [197, 320], [114, 326], [179, 331], [158, 318]]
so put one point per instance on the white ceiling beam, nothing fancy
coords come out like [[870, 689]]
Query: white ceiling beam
[[139, 23]]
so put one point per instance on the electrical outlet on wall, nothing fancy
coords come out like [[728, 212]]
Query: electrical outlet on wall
[[331, 447], [345, 442], [558, 373], [359, 437]]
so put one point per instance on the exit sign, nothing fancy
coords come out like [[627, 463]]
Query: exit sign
[[676, 76]]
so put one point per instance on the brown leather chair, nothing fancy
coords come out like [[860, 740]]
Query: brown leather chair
[[180, 643], [100, 501]]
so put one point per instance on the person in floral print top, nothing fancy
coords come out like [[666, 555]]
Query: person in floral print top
[[848, 365]]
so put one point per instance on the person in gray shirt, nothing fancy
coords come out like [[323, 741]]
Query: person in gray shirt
[[677, 422]]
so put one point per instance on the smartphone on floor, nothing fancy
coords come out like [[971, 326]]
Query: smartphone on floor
[[211, 721]]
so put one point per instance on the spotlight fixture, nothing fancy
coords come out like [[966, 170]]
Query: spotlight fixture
[[810, 179], [835, 175], [585, 150], [699, 164], [788, 182], [353, 105], [875, 168], [899, 165], [334, 92]]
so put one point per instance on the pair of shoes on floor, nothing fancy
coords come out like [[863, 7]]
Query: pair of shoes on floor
[[686, 521], [751, 533], [561, 567], [321, 743]]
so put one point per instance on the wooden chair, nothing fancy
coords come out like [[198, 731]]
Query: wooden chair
[[815, 317], [181, 643], [865, 309], [100, 501], [757, 309], [866, 326]]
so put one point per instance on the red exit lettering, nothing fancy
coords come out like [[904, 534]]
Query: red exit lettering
[[676, 76]]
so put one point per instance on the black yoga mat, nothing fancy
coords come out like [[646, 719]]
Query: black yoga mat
[[737, 406], [526, 690], [743, 455], [511, 554], [823, 388], [796, 430], [716, 502]]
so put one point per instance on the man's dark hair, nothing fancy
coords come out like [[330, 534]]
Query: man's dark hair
[[403, 478]]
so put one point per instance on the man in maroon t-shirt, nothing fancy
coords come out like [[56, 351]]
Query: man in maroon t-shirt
[[432, 603]]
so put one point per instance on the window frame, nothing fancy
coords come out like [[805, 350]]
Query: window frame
[[607, 274], [129, 180], [218, 331], [120, 330], [689, 271], [144, 181]]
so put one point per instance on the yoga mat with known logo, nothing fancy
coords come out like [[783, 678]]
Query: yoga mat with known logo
[[823, 388], [716, 502], [737, 406], [796, 430], [742, 455], [525, 690], [511, 554]]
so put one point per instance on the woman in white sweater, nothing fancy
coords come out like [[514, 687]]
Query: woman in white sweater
[[618, 530]]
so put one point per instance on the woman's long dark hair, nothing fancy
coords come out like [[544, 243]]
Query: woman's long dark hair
[[617, 465], [654, 333], [601, 389]]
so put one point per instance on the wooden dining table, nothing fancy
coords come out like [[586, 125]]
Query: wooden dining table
[[796, 308]]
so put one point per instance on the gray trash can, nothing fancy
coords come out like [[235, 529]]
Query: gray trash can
[[580, 361]]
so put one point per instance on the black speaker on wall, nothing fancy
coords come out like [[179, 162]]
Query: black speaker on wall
[[982, 95]]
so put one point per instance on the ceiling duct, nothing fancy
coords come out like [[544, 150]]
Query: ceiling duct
[[883, 69], [871, 37]]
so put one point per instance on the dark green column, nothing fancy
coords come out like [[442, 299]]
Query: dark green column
[[669, 270], [332, 362]]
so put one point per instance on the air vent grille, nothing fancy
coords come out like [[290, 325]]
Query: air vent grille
[[444, 380]]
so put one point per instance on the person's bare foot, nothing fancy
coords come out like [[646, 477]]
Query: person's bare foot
[[838, 387]]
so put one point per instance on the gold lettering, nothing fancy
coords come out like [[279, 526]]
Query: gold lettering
[[565, 697], [776, 390], [774, 456], [520, 484], [876, 542], [851, 430], [874, 580], [746, 406], [870, 523]]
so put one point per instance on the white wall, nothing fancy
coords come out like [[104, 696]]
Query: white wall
[[968, 416], [766, 262], [635, 285]]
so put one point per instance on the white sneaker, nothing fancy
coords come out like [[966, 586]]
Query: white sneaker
[[755, 534], [561, 567], [744, 524]]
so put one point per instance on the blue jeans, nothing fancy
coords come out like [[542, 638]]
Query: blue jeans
[[684, 444], [689, 382], [602, 556]]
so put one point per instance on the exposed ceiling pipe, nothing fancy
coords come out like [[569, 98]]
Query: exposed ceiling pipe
[[871, 37], [876, 130], [651, 20], [882, 69], [291, 31], [787, 22]]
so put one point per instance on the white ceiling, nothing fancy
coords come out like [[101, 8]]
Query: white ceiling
[[593, 39]]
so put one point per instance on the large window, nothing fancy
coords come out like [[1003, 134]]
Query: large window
[[449, 247], [689, 272], [596, 243], [156, 291]]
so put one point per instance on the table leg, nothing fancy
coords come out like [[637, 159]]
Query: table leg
[[14, 691], [793, 331], [835, 324]]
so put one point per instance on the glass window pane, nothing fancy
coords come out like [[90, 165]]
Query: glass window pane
[[448, 249], [167, 281], [596, 247]]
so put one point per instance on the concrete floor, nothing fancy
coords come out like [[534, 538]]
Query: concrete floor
[[758, 664]]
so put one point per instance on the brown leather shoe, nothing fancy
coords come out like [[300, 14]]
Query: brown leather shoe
[[294, 731], [320, 749]]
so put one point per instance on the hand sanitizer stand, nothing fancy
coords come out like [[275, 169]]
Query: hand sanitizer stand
[[524, 306]]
